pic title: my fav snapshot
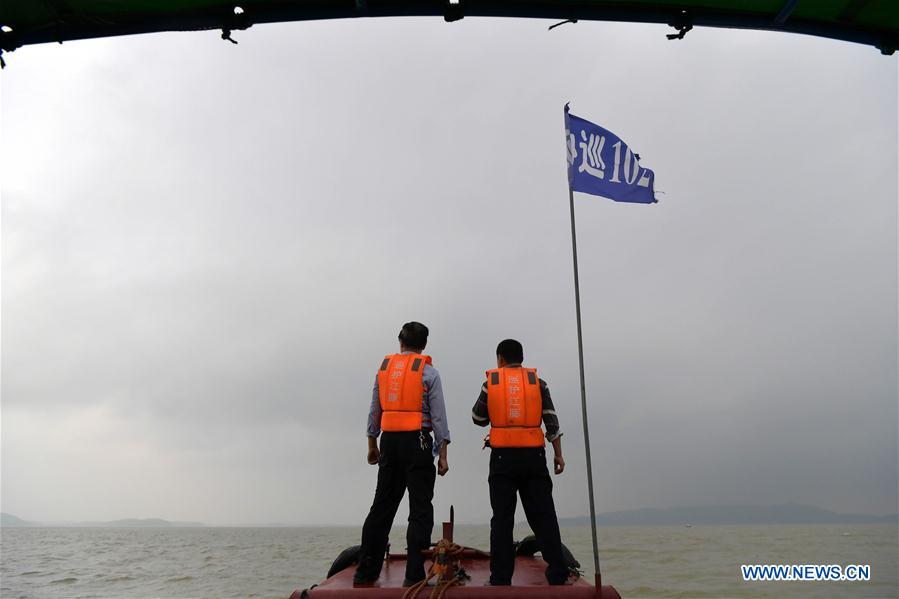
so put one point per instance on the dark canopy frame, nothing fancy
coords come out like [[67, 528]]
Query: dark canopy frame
[[24, 22]]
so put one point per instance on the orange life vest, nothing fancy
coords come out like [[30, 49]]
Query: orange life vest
[[401, 391], [515, 407]]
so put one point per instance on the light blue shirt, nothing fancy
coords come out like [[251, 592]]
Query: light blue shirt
[[433, 408]]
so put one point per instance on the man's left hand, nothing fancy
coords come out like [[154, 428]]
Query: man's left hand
[[558, 464], [442, 466]]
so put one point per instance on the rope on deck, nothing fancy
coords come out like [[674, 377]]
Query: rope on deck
[[445, 551]]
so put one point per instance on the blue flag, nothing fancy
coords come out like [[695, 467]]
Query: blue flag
[[599, 163]]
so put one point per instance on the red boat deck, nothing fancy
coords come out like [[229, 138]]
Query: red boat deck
[[528, 581]]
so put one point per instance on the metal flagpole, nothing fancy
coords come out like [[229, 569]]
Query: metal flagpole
[[580, 355]]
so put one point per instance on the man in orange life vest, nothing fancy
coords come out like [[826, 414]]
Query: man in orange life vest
[[407, 405], [514, 402]]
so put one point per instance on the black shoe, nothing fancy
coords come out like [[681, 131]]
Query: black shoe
[[362, 580]]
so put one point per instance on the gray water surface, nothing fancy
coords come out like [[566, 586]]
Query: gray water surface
[[702, 561]]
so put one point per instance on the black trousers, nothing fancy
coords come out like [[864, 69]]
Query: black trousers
[[406, 462], [523, 471]]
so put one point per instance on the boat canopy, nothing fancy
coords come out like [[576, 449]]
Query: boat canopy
[[23, 22]]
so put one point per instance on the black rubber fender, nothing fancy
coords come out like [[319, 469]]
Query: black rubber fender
[[347, 558], [528, 546]]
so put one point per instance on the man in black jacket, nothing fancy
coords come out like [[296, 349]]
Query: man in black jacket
[[514, 407]]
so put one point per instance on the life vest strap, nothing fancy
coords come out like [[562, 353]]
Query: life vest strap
[[516, 436], [392, 421]]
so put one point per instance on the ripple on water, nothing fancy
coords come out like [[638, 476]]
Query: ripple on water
[[180, 579], [642, 591], [69, 580]]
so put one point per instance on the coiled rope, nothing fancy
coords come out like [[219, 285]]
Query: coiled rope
[[443, 552]]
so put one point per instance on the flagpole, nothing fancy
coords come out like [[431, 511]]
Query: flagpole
[[580, 356]]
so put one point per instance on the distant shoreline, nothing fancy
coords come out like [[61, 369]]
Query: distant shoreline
[[786, 513], [11, 521], [781, 514]]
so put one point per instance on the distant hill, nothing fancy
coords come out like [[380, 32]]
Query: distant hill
[[10, 520], [143, 522], [785, 513]]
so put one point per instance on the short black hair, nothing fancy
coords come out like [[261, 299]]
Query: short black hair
[[510, 351], [414, 335]]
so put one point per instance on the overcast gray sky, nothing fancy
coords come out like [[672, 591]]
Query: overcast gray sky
[[207, 249]]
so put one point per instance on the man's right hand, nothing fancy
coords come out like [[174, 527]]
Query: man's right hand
[[373, 455], [558, 463]]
